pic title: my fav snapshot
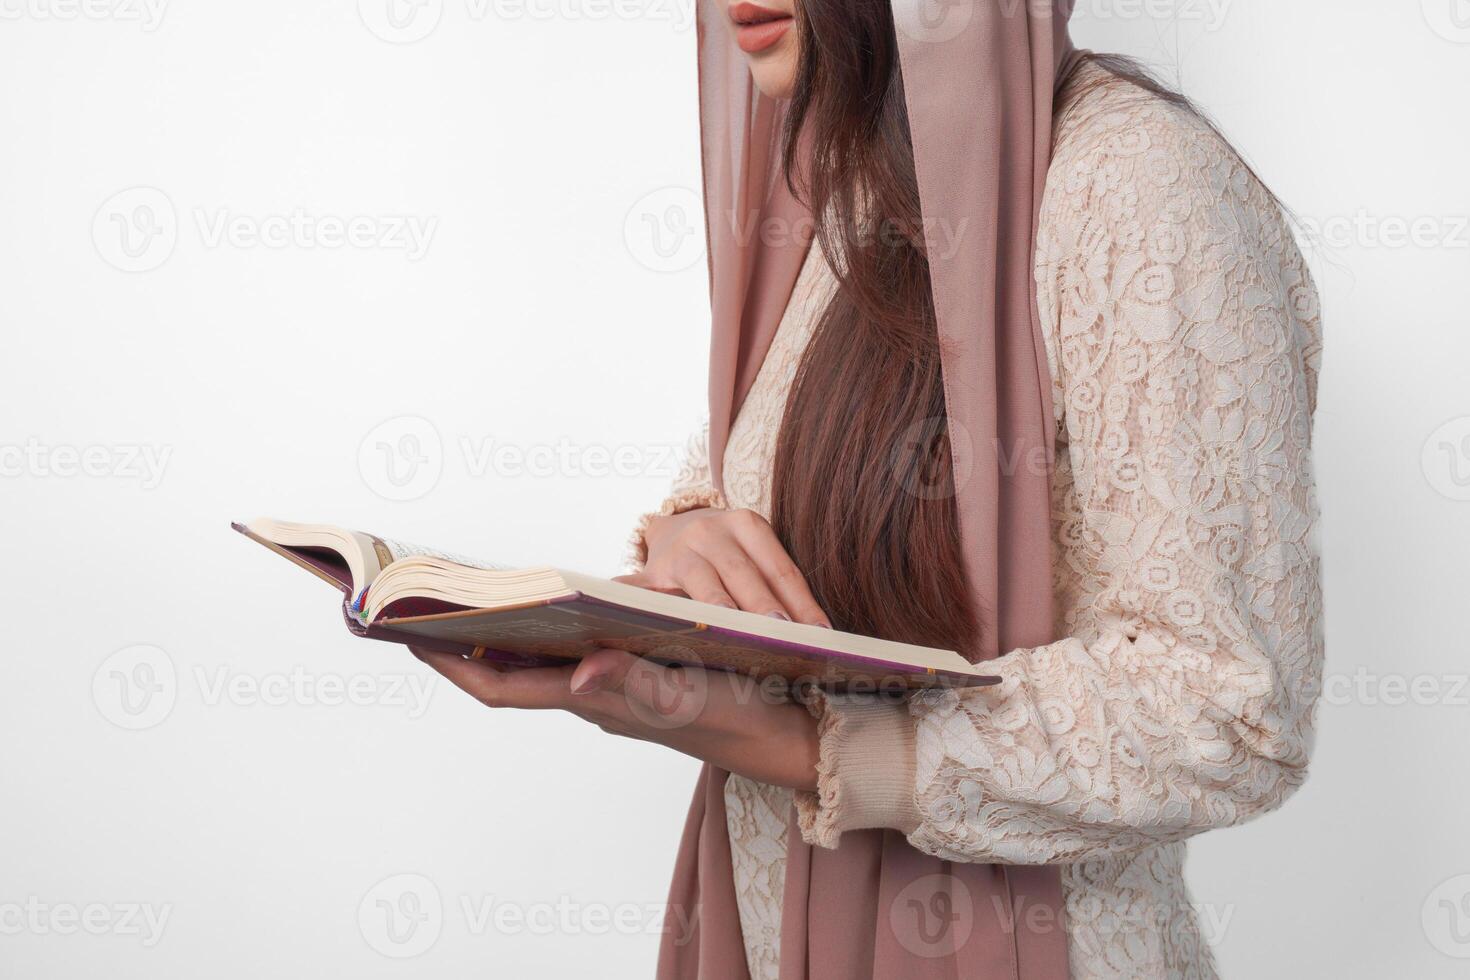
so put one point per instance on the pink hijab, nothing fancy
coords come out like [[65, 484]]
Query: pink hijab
[[980, 77]]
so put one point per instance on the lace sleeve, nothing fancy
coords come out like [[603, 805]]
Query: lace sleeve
[[692, 489], [1188, 338]]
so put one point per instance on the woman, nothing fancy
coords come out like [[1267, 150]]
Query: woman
[[1012, 355]]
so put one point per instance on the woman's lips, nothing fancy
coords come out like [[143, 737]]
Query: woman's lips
[[757, 27]]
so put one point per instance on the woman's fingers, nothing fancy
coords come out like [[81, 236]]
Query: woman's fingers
[[699, 579], [541, 687], [621, 693], [739, 575], [765, 549], [734, 559], [757, 540], [645, 581]]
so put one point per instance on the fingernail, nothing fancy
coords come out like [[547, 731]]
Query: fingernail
[[825, 625], [778, 614], [589, 684]]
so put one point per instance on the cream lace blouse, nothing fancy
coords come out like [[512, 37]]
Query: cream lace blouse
[[1184, 339]]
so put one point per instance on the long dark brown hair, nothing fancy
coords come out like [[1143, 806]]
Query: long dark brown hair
[[862, 494]]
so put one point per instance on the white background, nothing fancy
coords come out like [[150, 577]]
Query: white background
[[524, 138]]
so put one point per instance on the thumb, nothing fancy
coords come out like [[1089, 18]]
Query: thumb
[[603, 670], [658, 697]]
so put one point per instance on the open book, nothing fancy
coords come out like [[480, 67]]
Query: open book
[[540, 616]]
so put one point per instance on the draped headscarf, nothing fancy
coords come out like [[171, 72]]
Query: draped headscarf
[[980, 79]]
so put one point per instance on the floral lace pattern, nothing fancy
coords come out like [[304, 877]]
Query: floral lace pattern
[[1184, 337], [1187, 343], [756, 816]]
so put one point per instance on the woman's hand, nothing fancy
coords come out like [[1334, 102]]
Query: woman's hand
[[722, 718], [728, 558]]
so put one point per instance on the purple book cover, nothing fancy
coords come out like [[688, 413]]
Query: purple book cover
[[569, 627]]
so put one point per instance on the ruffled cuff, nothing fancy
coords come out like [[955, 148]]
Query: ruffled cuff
[[697, 498], [865, 769]]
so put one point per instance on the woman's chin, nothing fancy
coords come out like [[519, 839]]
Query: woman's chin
[[774, 73]]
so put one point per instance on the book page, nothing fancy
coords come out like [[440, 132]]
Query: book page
[[400, 550]]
